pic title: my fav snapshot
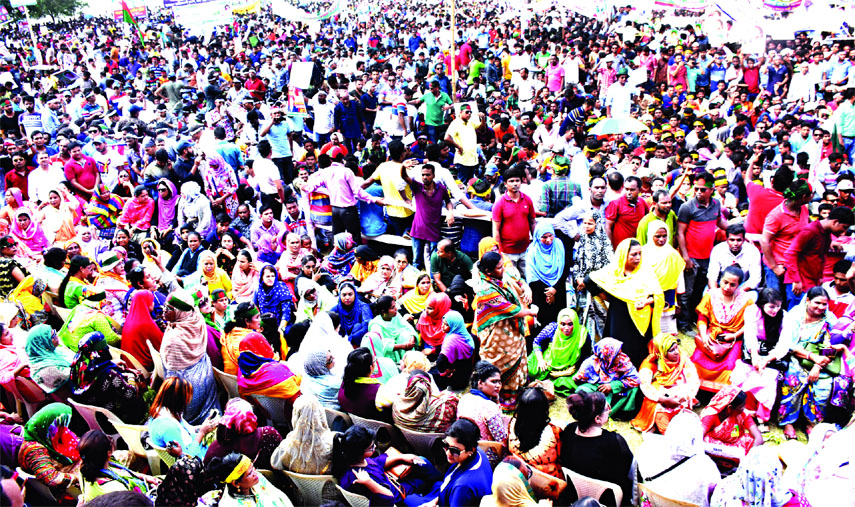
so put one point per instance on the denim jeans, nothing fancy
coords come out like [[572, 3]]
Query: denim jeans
[[849, 148], [792, 299], [419, 251]]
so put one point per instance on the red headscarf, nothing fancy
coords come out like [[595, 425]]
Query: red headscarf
[[430, 326], [139, 327]]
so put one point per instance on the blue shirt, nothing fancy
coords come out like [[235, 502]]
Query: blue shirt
[[278, 137], [231, 154], [467, 483]]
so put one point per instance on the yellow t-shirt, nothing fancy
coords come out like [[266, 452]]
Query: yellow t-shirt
[[465, 136], [389, 174]]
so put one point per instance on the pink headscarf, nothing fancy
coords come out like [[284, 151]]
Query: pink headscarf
[[239, 417]]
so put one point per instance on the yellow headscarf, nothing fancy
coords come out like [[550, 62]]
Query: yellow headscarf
[[413, 300], [633, 288], [667, 373], [665, 261], [509, 489]]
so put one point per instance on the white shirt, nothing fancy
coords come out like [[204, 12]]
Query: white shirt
[[40, 182], [748, 259], [266, 174], [324, 117], [619, 98]]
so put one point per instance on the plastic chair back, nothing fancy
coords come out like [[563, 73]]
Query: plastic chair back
[[310, 486], [586, 486], [30, 394], [164, 455], [90, 415], [132, 435], [332, 414], [422, 442], [278, 409], [229, 383], [159, 370], [129, 359], [654, 499], [353, 499]]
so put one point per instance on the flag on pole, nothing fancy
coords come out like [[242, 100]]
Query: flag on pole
[[129, 18]]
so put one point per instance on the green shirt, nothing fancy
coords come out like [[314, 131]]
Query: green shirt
[[671, 221], [433, 107], [846, 120], [475, 69]]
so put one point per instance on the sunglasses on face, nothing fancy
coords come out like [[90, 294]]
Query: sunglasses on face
[[454, 451]]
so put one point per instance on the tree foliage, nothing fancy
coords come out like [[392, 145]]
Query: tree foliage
[[53, 9]]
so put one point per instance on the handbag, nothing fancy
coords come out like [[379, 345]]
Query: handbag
[[841, 393]]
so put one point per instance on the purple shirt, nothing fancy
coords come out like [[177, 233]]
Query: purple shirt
[[341, 185], [428, 220]]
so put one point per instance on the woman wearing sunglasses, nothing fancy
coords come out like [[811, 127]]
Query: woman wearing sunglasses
[[358, 470], [469, 477]]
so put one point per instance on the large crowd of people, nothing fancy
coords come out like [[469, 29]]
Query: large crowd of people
[[449, 229]]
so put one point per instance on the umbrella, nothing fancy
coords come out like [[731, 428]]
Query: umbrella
[[617, 126]]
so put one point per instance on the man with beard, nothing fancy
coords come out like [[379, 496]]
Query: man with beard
[[661, 211]]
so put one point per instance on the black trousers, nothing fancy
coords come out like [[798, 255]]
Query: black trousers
[[272, 201], [347, 220], [286, 171]]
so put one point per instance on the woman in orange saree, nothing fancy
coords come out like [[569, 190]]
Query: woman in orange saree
[[721, 321], [669, 383]]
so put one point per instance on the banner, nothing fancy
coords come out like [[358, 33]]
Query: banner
[[691, 5], [289, 11], [203, 14], [137, 12], [246, 6], [296, 103], [782, 5], [21, 3]]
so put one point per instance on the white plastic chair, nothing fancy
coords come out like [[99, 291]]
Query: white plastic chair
[[332, 414], [586, 486], [310, 486], [163, 454], [278, 409], [29, 394], [159, 369], [132, 435], [130, 360], [90, 413], [353, 499], [228, 382], [657, 500]]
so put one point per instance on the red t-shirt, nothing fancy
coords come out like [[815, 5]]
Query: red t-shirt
[[805, 257], [784, 227], [514, 219], [626, 217], [752, 78], [13, 179], [763, 200], [84, 171]]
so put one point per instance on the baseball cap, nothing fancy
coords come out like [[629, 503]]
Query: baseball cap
[[183, 145], [845, 185]]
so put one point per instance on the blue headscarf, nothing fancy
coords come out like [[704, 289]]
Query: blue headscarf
[[349, 317], [544, 263], [276, 300]]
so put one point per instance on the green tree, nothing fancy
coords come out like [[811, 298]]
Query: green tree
[[56, 8], [47, 8]]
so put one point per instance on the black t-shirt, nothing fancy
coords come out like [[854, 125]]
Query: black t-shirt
[[181, 173], [10, 124], [606, 457]]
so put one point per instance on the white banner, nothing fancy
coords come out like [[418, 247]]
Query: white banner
[[203, 15]]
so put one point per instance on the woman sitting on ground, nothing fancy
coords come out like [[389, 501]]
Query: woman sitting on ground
[[422, 408], [481, 406], [610, 372], [558, 349], [454, 363], [430, 321], [721, 324], [397, 335], [392, 388], [669, 383], [726, 424], [590, 450], [415, 301], [355, 314], [532, 437]]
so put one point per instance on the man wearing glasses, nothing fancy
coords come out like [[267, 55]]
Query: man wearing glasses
[[698, 218]]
